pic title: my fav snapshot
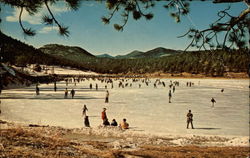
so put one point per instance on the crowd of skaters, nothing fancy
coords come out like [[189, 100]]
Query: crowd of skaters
[[123, 82]]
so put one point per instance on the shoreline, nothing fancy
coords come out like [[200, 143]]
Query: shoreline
[[117, 133], [38, 140], [16, 86]]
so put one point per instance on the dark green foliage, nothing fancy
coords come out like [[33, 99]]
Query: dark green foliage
[[18, 53], [210, 63]]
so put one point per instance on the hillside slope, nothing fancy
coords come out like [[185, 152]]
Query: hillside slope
[[104, 56], [72, 53], [19, 53], [154, 53]]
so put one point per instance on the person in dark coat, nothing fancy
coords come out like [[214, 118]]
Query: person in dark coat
[[213, 101], [72, 92], [114, 123], [190, 119], [86, 121]]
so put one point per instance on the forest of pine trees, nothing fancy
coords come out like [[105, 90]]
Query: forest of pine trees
[[210, 63]]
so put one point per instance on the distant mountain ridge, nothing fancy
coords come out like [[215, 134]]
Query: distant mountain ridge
[[78, 53], [104, 56], [154, 53]]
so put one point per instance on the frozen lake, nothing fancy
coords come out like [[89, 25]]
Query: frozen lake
[[146, 109]]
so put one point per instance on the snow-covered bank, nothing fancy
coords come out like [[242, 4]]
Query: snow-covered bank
[[22, 141], [121, 138], [53, 70]]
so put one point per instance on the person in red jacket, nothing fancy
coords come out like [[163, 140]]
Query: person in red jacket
[[104, 115]]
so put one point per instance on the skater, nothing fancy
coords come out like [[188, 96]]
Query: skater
[[155, 85], [107, 97], [163, 83], [96, 86], [124, 124], [190, 119], [173, 89], [222, 90], [86, 121], [169, 96], [66, 93], [213, 101], [90, 86], [113, 123], [37, 89], [55, 88], [84, 110], [72, 92], [104, 115]]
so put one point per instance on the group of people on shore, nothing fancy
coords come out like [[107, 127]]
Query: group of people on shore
[[105, 122], [122, 125]]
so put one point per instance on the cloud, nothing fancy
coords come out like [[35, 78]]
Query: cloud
[[35, 19], [48, 29], [89, 4]]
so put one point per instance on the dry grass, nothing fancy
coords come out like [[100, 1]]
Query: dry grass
[[191, 151], [48, 142], [21, 142]]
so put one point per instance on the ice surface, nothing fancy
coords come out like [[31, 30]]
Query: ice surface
[[146, 109]]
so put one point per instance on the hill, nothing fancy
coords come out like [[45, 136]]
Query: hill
[[154, 53], [104, 56], [160, 52], [19, 53], [134, 54], [72, 53]]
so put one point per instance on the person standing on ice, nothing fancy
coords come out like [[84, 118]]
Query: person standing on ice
[[213, 101], [104, 116], [72, 92], [96, 86], [190, 119], [173, 88], [66, 93], [66, 81], [84, 110], [107, 97], [169, 96], [55, 88], [37, 89]]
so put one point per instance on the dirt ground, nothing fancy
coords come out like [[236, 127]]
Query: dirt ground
[[23, 141]]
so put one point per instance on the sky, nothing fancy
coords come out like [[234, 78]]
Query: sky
[[88, 31]]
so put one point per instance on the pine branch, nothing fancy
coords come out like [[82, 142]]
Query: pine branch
[[26, 31], [62, 30]]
